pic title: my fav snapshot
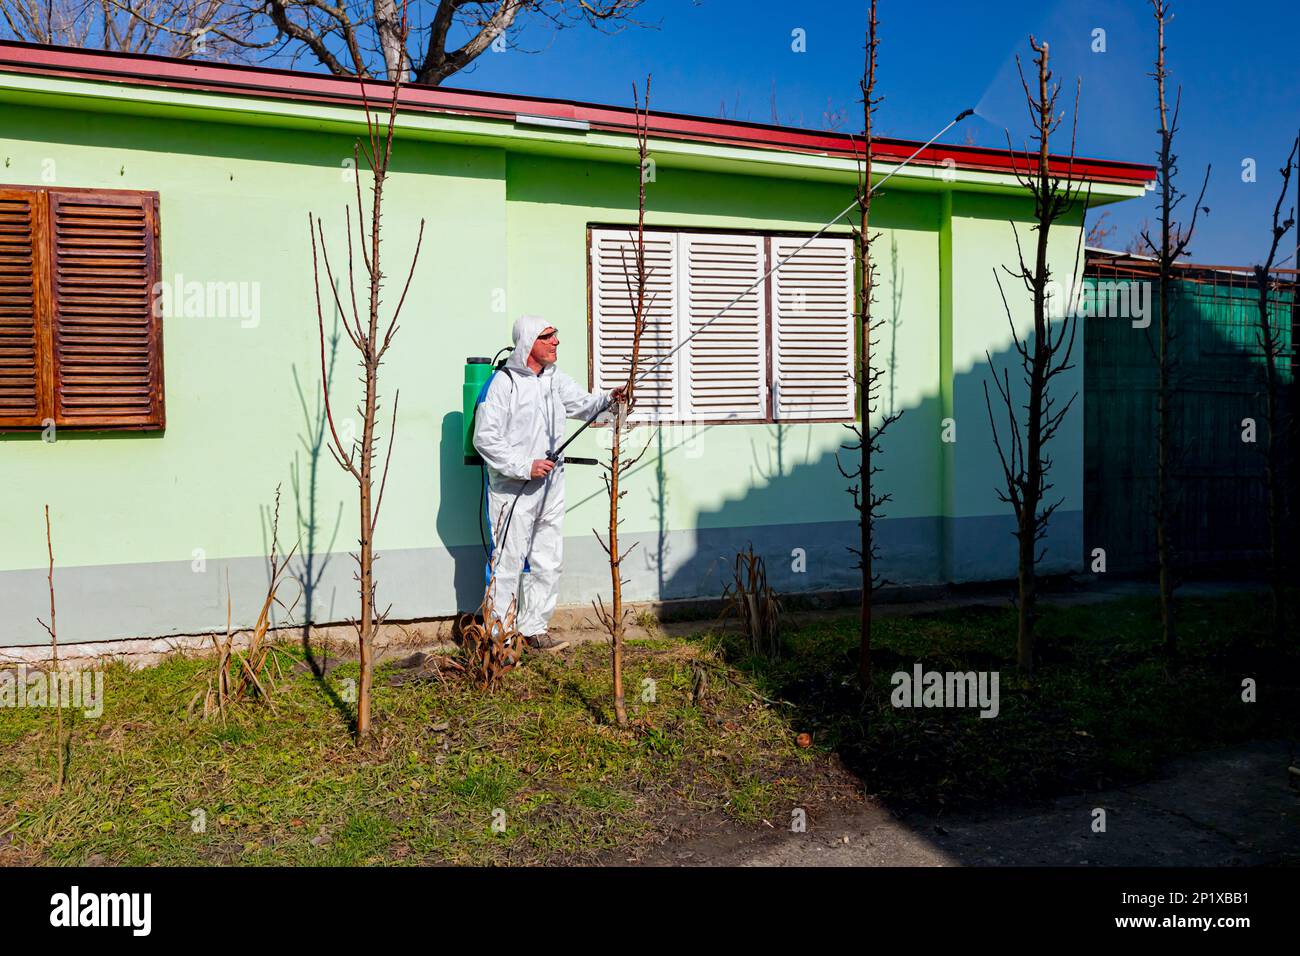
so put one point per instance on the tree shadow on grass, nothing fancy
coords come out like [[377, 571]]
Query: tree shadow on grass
[[559, 674], [1105, 707]]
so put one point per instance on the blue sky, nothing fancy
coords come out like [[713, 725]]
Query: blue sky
[[1236, 63]]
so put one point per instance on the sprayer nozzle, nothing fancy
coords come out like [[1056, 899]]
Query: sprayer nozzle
[[963, 114]]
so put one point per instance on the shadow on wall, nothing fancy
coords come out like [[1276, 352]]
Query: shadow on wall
[[809, 556], [325, 576], [315, 550], [315, 554], [460, 509], [973, 544]]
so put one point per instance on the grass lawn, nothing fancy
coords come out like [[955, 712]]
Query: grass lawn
[[290, 787], [1105, 707]]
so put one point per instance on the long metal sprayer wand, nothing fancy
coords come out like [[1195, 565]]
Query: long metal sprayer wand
[[554, 456]]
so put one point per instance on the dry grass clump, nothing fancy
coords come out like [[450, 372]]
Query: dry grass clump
[[253, 673], [756, 605]]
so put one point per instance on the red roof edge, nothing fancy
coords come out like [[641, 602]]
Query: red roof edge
[[157, 71]]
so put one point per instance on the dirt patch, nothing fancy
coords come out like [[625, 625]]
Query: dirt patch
[[1229, 807]]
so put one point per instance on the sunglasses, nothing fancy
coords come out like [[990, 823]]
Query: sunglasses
[[547, 336]]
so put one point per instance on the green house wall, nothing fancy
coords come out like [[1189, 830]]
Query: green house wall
[[151, 528]]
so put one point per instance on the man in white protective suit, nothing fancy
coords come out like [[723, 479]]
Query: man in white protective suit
[[521, 420]]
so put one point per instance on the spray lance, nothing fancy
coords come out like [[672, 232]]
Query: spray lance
[[555, 455], [479, 370]]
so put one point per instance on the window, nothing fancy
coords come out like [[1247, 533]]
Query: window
[[783, 351], [80, 343]]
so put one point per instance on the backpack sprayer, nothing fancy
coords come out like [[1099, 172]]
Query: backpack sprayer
[[479, 370]]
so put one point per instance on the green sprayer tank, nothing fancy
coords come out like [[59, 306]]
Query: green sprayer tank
[[478, 369]]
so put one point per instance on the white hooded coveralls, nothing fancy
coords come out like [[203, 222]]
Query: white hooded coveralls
[[520, 420]]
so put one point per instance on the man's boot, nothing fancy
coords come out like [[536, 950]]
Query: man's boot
[[542, 641]]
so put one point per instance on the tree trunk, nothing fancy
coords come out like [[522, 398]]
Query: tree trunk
[[367, 635], [1168, 626], [865, 542], [1044, 354], [620, 708], [60, 750], [358, 458], [1272, 467], [866, 380], [1278, 429], [1026, 595], [1173, 243], [392, 38], [1026, 578], [1164, 561], [613, 618]]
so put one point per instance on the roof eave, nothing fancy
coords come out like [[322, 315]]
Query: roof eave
[[231, 93]]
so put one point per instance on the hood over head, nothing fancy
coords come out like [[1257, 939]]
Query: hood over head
[[527, 328]]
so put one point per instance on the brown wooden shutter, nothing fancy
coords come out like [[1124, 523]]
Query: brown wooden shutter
[[24, 372], [107, 341]]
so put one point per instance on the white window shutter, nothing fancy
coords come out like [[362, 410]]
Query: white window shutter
[[613, 306], [725, 364], [812, 330]]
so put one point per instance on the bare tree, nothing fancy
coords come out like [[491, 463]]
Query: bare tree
[[1270, 339], [1099, 232], [1023, 454], [362, 326], [868, 377], [362, 38], [211, 29], [1137, 246], [1172, 246], [60, 748], [37, 21], [614, 618], [833, 118]]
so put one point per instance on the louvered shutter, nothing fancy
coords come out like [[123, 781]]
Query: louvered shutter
[[812, 330], [106, 339], [613, 295], [726, 359], [22, 350]]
